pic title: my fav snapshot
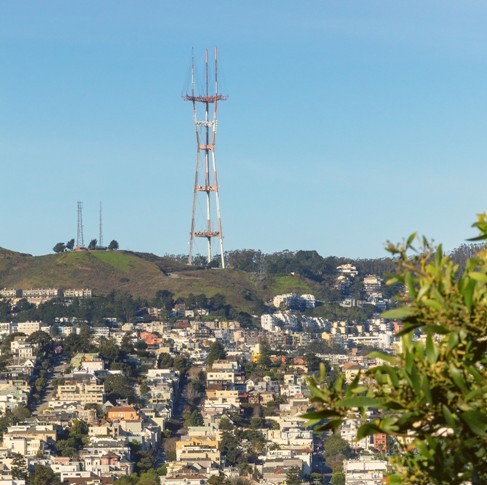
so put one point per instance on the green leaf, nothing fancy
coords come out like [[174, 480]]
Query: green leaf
[[478, 238], [448, 416], [452, 341], [325, 413], [333, 425], [399, 313], [390, 371], [368, 429], [476, 421], [458, 378], [394, 480], [472, 394], [425, 385], [311, 423], [431, 350], [317, 393], [338, 386], [408, 328], [409, 281], [359, 389], [468, 293], [434, 304], [439, 255], [423, 290], [479, 276], [410, 239], [361, 402], [388, 424], [377, 354], [415, 381], [408, 361], [436, 329]]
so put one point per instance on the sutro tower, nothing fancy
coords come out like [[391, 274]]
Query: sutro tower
[[205, 108]]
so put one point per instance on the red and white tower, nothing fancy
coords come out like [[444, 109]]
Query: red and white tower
[[205, 109]]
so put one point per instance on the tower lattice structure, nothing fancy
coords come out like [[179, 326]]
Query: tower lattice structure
[[100, 237], [205, 110], [80, 242]]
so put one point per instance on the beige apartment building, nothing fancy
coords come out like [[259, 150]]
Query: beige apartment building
[[86, 391], [78, 293]]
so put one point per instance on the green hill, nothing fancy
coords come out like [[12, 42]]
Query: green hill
[[140, 275]]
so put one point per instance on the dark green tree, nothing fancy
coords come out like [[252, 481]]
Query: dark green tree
[[59, 247], [217, 352], [312, 362], [337, 478], [149, 477], [113, 245], [316, 478], [92, 244], [43, 475], [217, 480], [21, 413], [70, 245], [195, 419], [336, 450], [41, 339], [294, 476], [264, 361], [128, 480], [256, 440], [199, 383], [226, 424], [109, 350], [18, 468], [145, 461], [165, 361], [127, 347], [119, 387], [230, 447], [182, 364]]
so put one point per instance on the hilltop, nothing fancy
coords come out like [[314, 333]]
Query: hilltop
[[141, 275]]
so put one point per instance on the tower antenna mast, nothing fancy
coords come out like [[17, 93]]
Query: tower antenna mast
[[205, 109], [100, 240], [80, 243]]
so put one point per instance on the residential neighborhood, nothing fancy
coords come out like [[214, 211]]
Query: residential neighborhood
[[188, 399]]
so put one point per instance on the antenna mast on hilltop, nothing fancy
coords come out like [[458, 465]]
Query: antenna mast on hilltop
[[80, 243], [205, 107], [100, 240]]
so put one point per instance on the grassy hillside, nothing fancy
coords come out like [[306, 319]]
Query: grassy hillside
[[99, 270], [141, 275]]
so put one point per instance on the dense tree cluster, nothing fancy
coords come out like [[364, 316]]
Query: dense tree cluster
[[73, 438], [217, 352], [308, 264], [61, 247], [122, 306]]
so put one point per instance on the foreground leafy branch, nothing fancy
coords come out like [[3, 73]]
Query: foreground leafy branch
[[431, 396]]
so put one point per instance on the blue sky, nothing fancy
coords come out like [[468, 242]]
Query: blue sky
[[348, 123]]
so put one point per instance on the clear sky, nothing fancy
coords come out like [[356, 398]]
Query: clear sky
[[348, 122]]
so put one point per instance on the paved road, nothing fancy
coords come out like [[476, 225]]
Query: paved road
[[48, 392]]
